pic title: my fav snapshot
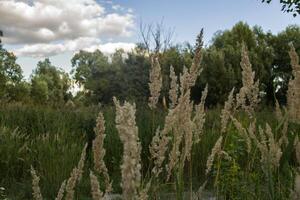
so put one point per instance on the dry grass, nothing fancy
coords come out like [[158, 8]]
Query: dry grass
[[172, 145]]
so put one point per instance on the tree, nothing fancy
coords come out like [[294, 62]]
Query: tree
[[289, 6], [221, 62], [281, 68], [50, 85], [10, 72], [100, 79]]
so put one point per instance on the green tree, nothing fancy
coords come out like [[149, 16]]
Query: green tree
[[100, 79], [10, 72], [221, 61], [281, 68], [50, 85]]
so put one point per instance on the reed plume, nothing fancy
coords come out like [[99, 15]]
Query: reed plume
[[199, 118], [296, 191], [173, 92], [131, 164], [155, 82], [37, 195], [75, 176], [269, 148], [158, 148], [297, 149], [61, 191], [99, 151], [95, 187], [227, 111], [243, 132], [216, 151], [179, 121], [248, 96], [293, 93]]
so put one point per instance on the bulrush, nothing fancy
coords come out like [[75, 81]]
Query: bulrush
[[75, 175], [155, 81], [293, 93], [99, 151], [173, 92], [37, 195], [227, 111], [131, 164], [248, 96], [95, 187], [61, 191]]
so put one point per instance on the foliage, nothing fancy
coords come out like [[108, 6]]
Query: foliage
[[49, 84], [10, 73], [289, 6]]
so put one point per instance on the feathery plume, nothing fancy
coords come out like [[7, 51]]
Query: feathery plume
[[189, 77], [199, 194], [173, 92], [296, 191], [182, 128], [297, 149], [61, 191], [293, 93], [75, 176], [155, 82], [95, 187], [216, 150], [37, 195], [199, 118], [227, 111], [158, 148], [128, 132], [99, 151], [182, 125], [269, 148], [248, 96], [242, 132], [284, 134], [81, 162]]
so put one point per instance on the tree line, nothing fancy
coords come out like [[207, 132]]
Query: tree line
[[125, 75]]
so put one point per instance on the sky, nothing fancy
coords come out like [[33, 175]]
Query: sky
[[37, 29]]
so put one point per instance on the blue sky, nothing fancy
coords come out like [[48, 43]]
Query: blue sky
[[119, 24]]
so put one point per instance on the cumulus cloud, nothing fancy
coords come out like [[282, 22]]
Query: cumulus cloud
[[50, 27], [51, 20], [87, 44], [110, 48]]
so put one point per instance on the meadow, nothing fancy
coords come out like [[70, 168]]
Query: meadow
[[240, 150]]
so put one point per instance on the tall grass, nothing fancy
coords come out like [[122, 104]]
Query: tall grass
[[239, 152]]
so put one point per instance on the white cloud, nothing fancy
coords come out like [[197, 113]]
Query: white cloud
[[87, 44], [110, 48], [50, 27]]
